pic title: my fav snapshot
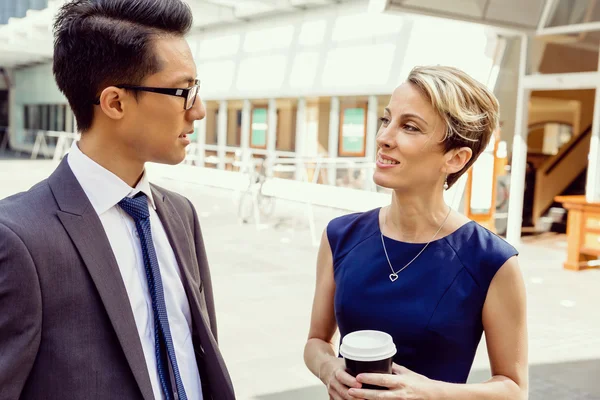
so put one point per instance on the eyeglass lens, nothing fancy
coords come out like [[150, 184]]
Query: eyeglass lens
[[191, 99]]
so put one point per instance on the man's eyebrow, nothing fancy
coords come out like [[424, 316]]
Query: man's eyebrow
[[185, 79]]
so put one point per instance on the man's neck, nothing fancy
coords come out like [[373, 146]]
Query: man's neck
[[112, 157]]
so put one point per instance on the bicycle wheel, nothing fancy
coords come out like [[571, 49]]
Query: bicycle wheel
[[266, 205], [245, 207]]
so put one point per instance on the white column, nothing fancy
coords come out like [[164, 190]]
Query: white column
[[12, 133], [334, 131], [519, 155], [245, 139], [69, 120], [272, 129], [201, 142], [548, 8], [300, 136], [75, 127], [222, 133], [592, 188], [371, 148]]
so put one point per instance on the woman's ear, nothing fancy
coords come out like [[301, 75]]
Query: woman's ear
[[457, 159]]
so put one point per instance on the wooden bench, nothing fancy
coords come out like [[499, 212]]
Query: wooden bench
[[583, 232]]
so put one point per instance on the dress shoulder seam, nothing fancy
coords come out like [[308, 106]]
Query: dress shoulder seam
[[462, 262], [357, 244]]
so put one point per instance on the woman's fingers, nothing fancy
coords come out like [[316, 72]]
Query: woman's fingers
[[347, 379]]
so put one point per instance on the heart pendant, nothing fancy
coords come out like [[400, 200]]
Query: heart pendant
[[393, 277]]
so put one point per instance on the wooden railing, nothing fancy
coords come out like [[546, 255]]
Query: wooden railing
[[559, 171]]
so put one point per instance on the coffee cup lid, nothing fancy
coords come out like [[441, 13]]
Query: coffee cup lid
[[367, 346]]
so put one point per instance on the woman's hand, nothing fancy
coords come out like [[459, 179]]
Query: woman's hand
[[334, 376], [404, 384]]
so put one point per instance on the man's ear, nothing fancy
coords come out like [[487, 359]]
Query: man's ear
[[113, 102]]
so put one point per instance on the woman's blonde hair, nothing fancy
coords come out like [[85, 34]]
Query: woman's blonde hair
[[469, 109]]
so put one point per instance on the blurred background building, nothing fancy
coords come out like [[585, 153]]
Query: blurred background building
[[302, 83]]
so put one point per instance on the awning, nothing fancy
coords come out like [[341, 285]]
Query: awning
[[28, 40], [513, 16]]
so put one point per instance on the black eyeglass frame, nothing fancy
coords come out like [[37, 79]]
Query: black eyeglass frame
[[179, 92]]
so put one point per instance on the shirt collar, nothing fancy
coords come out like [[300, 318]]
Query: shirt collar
[[103, 188]]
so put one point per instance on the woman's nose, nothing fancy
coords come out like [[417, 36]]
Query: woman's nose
[[385, 139]]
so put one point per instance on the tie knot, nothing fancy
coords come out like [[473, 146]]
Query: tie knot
[[136, 207]]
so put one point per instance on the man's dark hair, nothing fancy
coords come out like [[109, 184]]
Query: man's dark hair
[[99, 43]]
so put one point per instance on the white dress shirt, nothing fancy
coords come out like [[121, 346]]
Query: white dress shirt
[[104, 190]]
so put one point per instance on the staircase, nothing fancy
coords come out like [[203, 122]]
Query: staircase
[[560, 172], [557, 214]]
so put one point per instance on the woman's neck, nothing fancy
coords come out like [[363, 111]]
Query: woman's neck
[[414, 218]]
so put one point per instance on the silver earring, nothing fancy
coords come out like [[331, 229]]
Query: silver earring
[[446, 184]]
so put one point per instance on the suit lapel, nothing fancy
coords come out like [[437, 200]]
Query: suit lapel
[[177, 234], [87, 233]]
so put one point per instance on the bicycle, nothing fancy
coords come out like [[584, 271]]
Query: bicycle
[[253, 201]]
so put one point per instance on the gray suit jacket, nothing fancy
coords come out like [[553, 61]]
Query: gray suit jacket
[[66, 328]]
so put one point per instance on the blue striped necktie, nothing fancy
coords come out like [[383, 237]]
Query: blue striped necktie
[[137, 208]]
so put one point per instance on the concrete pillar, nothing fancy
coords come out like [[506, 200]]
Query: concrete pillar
[[592, 189], [272, 130], [12, 132], [300, 137], [245, 139], [75, 127], [371, 148], [222, 134], [334, 131], [519, 155], [201, 142]]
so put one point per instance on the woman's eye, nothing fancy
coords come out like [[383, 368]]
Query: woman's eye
[[384, 120], [411, 128]]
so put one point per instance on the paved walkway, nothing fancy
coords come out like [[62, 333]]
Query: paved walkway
[[264, 283]]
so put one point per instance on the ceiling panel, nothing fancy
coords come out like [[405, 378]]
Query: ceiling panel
[[471, 8], [211, 12], [518, 12], [33, 31]]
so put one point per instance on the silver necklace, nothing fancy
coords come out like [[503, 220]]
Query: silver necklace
[[394, 274]]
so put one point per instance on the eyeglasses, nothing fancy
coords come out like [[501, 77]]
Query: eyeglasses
[[189, 94]]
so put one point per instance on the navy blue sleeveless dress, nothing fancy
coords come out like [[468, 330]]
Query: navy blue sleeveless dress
[[433, 310]]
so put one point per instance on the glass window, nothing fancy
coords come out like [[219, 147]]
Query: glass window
[[222, 46], [269, 39], [60, 117], [312, 33], [353, 128], [44, 117], [258, 128], [287, 112], [571, 12], [234, 126], [34, 121], [262, 73], [53, 110], [26, 124], [212, 114]]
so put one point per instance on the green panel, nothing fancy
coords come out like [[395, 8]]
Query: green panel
[[353, 130], [258, 138]]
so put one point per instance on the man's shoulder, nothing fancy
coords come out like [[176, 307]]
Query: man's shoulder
[[179, 201], [30, 202], [28, 215]]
